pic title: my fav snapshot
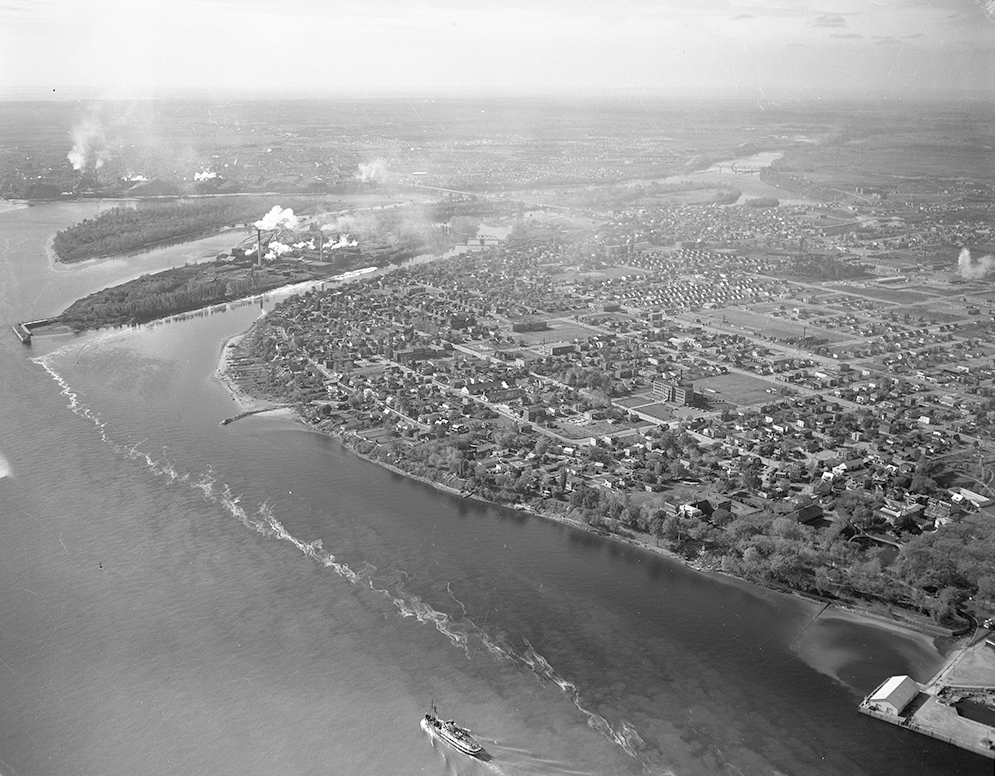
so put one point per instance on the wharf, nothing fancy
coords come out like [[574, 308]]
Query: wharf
[[247, 413], [23, 328], [932, 709], [928, 716], [22, 332]]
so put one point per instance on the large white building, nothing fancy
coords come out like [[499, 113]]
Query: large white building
[[894, 695]]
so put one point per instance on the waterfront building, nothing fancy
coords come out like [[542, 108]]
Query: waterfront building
[[894, 695]]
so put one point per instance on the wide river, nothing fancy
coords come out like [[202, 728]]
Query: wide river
[[180, 597]]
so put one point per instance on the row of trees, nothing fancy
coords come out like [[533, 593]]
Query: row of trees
[[936, 573], [122, 229], [824, 268]]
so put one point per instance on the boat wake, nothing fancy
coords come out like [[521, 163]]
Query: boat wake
[[457, 627], [624, 736]]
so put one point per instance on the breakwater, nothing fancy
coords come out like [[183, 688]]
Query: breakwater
[[23, 329]]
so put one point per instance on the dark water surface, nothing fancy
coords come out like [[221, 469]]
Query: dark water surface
[[182, 597]]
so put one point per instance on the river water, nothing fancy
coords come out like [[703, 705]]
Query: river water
[[184, 597]]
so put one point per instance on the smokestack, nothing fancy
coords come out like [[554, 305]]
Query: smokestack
[[259, 248], [321, 245]]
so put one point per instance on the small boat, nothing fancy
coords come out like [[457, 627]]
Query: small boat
[[457, 737]]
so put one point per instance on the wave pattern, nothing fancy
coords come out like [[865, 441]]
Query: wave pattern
[[459, 629]]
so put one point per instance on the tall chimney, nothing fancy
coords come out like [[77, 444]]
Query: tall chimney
[[259, 248], [321, 245]]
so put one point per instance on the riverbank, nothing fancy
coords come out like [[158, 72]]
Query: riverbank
[[881, 616], [6, 205], [144, 247], [247, 405]]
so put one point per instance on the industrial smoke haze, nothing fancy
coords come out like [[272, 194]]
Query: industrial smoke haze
[[90, 149], [973, 269], [374, 171], [361, 223], [277, 218], [277, 249], [343, 242]]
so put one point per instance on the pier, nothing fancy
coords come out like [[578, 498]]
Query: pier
[[23, 328], [933, 709], [22, 332], [247, 413]]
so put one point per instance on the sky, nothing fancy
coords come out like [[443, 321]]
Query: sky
[[69, 49]]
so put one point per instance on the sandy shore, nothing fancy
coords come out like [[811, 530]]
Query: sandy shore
[[6, 205], [244, 402]]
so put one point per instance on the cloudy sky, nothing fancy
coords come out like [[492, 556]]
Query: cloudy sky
[[750, 48]]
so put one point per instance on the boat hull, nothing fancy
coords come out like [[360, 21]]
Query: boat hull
[[456, 737]]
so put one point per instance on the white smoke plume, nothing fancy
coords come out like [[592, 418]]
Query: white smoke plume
[[309, 244], [205, 175], [276, 249], [973, 269], [343, 242], [374, 171], [90, 150], [277, 218]]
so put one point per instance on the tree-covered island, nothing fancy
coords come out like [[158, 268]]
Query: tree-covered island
[[127, 229], [180, 290], [288, 250]]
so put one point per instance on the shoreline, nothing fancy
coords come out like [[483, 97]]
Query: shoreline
[[145, 247], [252, 405], [247, 405]]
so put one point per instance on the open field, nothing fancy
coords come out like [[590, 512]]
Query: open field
[[580, 428], [659, 411], [934, 291], [895, 296], [736, 388], [558, 331], [932, 314], [754, 323], [635, 400]]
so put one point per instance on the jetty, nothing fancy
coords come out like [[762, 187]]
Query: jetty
[[957, 705], [247, 413], [23, 328]]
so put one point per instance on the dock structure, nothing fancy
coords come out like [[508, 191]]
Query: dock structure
[[23, 333], [23, 328], [934, 709]]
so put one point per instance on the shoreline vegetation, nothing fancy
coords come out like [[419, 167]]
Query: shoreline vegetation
[[235, 372], [884, 616]]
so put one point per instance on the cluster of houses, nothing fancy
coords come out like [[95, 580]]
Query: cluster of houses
[[467, 349], [772, 227]]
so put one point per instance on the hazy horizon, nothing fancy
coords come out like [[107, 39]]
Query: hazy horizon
[[763, 50]]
